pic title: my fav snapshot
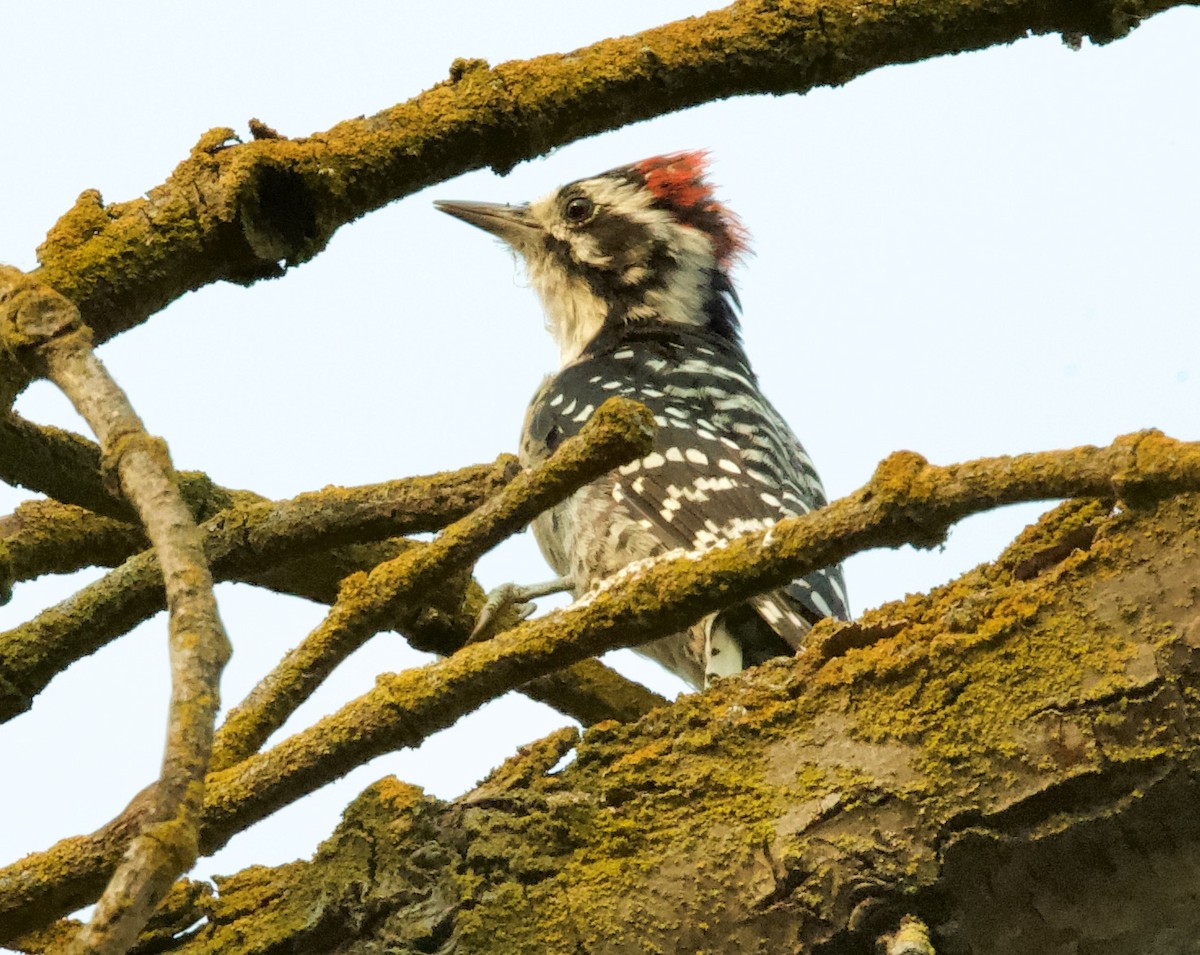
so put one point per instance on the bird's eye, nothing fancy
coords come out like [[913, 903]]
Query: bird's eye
[[579, 209]]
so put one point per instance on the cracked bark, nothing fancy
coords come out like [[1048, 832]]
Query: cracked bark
[[1012, 758]]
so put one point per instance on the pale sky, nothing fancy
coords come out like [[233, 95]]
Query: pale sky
[[984, 254]]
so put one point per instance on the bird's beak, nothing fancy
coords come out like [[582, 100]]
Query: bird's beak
[[510, 223]]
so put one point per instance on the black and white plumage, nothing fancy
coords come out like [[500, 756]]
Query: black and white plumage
[[633, 270]]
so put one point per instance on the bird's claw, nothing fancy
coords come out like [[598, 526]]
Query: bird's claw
[[515, 597]]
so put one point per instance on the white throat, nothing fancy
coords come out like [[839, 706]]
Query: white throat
[[575, 313]]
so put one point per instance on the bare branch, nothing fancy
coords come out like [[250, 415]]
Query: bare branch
[[42, 329]]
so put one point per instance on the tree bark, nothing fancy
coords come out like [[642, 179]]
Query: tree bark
[[1011, 758]]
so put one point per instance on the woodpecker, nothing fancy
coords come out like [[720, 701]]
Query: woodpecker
[[633, 270]]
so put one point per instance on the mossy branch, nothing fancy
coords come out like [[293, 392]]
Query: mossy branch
[[906, 501], [588, 691], [240, 211], [248, 538], [64, 877], [266, 544], [48, 537], [42, 330], [43, 537], [998, 773]]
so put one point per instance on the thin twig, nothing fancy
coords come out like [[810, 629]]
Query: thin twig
[[43, 329]]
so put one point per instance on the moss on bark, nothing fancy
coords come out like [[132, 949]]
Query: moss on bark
[[1013, 721]]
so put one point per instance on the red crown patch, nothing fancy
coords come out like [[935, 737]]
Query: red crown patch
[[678, 182]]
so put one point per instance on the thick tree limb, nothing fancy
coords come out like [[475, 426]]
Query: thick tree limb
[[1010, 766], [238, 211], [42, 329], [907, 501]]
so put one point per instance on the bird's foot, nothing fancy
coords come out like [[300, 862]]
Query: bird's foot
[[518, 597]]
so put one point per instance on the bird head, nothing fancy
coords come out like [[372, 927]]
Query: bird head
[[647, 242]]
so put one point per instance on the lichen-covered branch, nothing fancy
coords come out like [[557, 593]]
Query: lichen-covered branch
[[48, 537], [906, 501], [265, 544], [42, 329], [73, 871], [1009, 766], [588, 691], [250, 537], [61, 879], [235, 211], [67, 467]]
